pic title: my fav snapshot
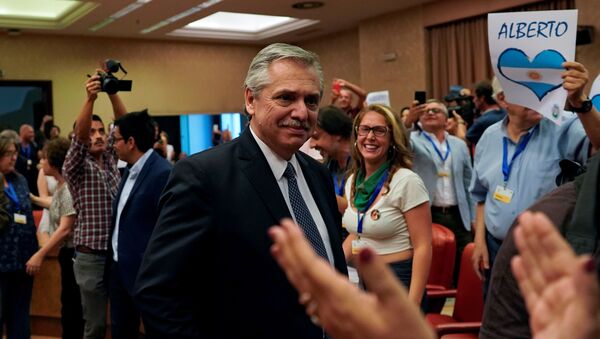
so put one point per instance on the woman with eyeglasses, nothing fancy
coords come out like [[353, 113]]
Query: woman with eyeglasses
[[17, 244], [388, 203]]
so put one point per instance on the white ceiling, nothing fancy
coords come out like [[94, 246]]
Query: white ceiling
[[334, 16]]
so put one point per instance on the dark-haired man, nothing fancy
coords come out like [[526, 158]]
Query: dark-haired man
[[135, 210], [90, 170], [485, 102]]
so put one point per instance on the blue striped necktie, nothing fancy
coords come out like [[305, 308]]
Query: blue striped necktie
[[302, 214]]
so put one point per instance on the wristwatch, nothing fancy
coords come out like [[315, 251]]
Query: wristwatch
[[585, 107]]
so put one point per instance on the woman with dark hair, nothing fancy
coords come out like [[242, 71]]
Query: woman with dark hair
[[389, 204], [17, 243], [62, 218]]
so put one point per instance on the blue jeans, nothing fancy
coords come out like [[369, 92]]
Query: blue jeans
[[15, 299], [493, 246]]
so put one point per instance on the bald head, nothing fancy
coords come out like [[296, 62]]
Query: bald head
[[26, 133]]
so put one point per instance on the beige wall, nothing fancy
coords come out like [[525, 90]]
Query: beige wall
[[185, 77], [168, 77]]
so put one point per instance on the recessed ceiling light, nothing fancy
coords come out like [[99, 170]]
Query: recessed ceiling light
[[39, 9], [121, 13], [307, 5], [181, 15], [238, 22]]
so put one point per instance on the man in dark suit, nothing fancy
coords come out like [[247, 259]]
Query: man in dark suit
[[208, 271], [135, 211]]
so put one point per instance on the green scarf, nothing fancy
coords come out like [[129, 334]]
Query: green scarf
[[365, 188]]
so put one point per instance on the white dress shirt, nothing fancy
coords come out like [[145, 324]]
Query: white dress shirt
[[278, 166]]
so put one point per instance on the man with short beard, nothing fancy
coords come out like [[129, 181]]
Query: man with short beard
[[90, 170]]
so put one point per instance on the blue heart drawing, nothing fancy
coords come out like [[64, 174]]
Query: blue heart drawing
[[541, 75], [596, 101]]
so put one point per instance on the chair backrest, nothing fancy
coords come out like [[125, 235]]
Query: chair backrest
[[443, 256], [468, 305], [37, 217]]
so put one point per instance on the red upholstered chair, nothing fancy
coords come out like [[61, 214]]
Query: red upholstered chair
[[442, 264], [460, 336], [468, 306], [37, 217]]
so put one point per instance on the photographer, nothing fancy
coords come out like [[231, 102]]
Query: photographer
[[90, 170]]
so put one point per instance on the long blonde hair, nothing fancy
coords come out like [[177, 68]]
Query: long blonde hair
[[399, 153]]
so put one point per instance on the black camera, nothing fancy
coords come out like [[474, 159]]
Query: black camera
[[110, 84], [462, 104]]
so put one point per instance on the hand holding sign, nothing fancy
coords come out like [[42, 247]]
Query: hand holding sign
[[528, 51], [595, 93]]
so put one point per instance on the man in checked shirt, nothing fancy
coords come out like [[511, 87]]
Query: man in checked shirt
[[90, 170]]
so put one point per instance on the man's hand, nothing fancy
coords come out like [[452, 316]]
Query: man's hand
[[480, 257], [414, 113], [93, 85], [575, 77]]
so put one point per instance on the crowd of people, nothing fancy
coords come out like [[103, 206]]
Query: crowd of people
[[191, 250]]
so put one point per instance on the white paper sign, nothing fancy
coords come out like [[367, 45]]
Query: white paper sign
[[527, 50], [380, 97], [595, 93]]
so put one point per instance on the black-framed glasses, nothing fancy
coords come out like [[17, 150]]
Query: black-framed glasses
[[9, 154], [117, 139], [378, 131]]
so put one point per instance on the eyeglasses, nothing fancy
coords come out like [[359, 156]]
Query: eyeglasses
[[434, 110], [117, 139], [9, 154], [378, 131]]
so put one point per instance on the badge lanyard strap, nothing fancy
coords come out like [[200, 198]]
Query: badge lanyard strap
[[378, 188], [12, 195], [506, 166], [437, 150], [339, 188]]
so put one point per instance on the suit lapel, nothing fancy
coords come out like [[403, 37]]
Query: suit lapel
[[256, 168], [140, 179]]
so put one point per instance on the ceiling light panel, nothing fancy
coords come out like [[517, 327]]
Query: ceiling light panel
[[36, 9], [239, 22], [121, 13]]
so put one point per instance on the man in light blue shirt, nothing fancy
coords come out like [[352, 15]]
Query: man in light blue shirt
[[517, 161]]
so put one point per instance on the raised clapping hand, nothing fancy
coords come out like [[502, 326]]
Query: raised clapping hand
[[338, 305], [561, 290]]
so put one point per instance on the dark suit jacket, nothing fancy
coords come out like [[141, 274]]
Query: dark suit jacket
[[208, 271], [138, 217]]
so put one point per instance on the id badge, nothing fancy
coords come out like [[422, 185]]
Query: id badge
[[503, 194], [358, 245], [443, 174], [20, 218]]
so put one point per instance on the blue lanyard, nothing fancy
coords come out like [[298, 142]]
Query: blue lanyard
[[437, 150], [506, 166], [370, 202], [12, 195], [339, 188], [26, 151]]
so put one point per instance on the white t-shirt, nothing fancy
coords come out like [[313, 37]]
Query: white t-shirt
[[389, 233]]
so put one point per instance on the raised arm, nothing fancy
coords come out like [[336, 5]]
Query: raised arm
[[575, 78], [84, 120]]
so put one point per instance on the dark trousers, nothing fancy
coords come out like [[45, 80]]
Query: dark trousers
[[450, 217], [124, 315], [493, 246], [70, 297], [403, 271], [15, 299]]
